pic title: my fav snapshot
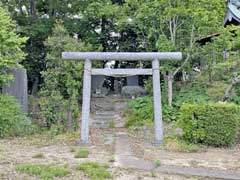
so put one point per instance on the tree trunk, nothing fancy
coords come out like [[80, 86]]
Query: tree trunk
[[70, 111], [170, 88], [230, 88], [35, 86], [33, 8]]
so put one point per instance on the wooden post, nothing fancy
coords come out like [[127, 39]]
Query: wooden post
[[86, 102], [157, 103]]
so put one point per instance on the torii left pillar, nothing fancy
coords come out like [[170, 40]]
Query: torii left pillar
[[86, 102]]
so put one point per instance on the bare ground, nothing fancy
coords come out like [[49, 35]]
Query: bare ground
[[58, 151], [207, 157]]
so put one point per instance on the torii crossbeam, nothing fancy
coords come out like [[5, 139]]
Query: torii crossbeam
[[88, 57]]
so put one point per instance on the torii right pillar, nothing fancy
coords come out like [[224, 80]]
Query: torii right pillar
[[158, 123]]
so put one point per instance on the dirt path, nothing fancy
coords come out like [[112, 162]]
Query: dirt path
[[125, 158]]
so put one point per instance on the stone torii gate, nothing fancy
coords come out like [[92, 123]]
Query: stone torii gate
[[154, 57]]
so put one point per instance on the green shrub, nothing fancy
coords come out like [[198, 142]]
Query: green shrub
[[210, 123], [190, 94], [46, 172], [141, 112], [216, 90], [235, 98], [95, 171], [82, 153], [13, 122], [56, 129]]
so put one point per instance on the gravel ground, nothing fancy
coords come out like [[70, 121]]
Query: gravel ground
[[58, 151], [207, 157]]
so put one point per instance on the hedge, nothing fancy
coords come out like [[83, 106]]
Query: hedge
[[214, 124]]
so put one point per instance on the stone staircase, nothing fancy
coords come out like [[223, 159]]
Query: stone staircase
[[106, 112]]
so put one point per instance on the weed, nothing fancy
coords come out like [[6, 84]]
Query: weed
[[95, 171], [44, 172], [111, 124], [157, 163], [179, 145], [112, 159], [38, 155], [72, 149], [82, 153], [153, 174]]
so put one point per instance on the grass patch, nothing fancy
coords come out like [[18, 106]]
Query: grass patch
[[111, 124], [72, 149], [95, 171], [38, 155], [44, 172], [179, 145], [157, 163], [82, 153]]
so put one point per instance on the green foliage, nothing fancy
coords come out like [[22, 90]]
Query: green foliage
[[191, 94], [111, 124], [216, 91], [95, 171], [148, 86], [62, 79], [82, 153], [236, 97], [56, 129], [157, 163], [210, 123], [13, 122], [10, 46], [45, 172], [141, 112]]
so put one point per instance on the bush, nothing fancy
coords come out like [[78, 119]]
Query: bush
[[216, 90], [141, 111], [13, 122], [210, 123]]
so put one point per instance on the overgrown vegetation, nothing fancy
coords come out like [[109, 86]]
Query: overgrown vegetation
[[13, 122], [82, 153], [95, 171], [179, 145], [44, 172], [211, 123], [140, 110]]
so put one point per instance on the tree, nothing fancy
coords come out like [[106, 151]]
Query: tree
[[174, 25], [62, 79], [11, 43]]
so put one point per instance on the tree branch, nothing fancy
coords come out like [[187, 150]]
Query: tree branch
[[230, 88], [183, 64]]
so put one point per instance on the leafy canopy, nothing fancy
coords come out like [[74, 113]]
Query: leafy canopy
[[10, 46]]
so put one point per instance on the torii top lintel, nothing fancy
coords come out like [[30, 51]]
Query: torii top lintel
[[122, 56]]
